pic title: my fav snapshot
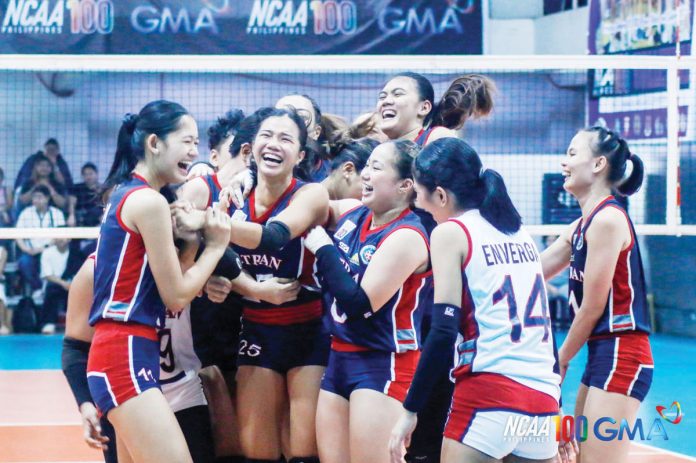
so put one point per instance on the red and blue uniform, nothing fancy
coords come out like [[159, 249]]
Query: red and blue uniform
[[380, 352], [619, 355], [281, 337], [214, 188], [126, 310]]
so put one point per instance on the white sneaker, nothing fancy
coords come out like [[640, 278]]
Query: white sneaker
[[48, 328], [4, 330]]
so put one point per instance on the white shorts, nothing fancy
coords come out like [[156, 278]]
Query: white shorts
[[501, 433]]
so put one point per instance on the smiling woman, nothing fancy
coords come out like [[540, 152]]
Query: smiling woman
[[283, 348], [138, 273]]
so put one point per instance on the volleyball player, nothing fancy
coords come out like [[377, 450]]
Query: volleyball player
[[377, 293], [215, 317], [490, 297], [606, 287], [344, 178], [316, 149], [407, 109], [97, 433], [283, 349], [137, 275]]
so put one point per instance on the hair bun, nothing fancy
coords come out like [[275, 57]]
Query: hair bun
[[129, 121]]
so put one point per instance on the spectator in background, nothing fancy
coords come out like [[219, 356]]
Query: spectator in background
[[85, 204], [38, 215], [42, 173], [59, 264], [5, 202], [60, 167], [557, 292]]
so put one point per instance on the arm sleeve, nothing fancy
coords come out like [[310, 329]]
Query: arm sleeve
[[437, 355], [74, 364], [349, 295], [274, 236], [230, 265]]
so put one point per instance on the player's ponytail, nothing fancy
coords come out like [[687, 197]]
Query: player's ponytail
[[469, 96], [454, 166], [496, 206], [158, 117], [617, 152]]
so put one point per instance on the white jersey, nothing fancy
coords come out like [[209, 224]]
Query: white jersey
[[505, 326], [179, 364]]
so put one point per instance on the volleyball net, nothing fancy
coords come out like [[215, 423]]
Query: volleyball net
[[541, 102]]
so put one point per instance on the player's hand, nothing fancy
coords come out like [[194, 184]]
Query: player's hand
[[401, 436], [218, 288], [317, 238], [568, 451], [199, 170], [277, 292], [217, 228], [91, 427], [185, 222], [239, 188]]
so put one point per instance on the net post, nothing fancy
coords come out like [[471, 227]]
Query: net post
[[673, 218]]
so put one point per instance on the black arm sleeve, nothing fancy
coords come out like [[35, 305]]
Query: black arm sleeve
[[437, 357], [350, 297], [229, 265], [74, 364], [274, 236]]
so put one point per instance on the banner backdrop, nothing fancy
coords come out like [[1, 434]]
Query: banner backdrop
[[241, 26], [638, 27]]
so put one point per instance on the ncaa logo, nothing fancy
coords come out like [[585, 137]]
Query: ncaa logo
[[366, 253]]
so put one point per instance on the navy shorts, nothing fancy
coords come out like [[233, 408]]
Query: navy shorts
[[123, 363], [386, 372], [620, 363], [283, 347]]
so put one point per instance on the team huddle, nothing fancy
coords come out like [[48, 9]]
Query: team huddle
[[348, 294]]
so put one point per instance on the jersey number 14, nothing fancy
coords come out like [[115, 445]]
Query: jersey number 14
[[530, 321]]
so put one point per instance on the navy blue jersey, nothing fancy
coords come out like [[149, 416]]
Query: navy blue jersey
[[626, 308], [293, 262], [214, 188], [124, 288], [422, 137], [395, 327]]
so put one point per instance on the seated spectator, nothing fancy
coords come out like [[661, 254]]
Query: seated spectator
[[42, 174], [85, 202], [5, 202], [38, 215], [59, 264], [60, 167]]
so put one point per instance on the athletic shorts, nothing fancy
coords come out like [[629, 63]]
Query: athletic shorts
[[484, 404], [123, 363], [621, 363], [283, 347], [386, 372]]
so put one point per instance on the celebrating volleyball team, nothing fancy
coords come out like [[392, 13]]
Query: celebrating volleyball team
[[361, 293]]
